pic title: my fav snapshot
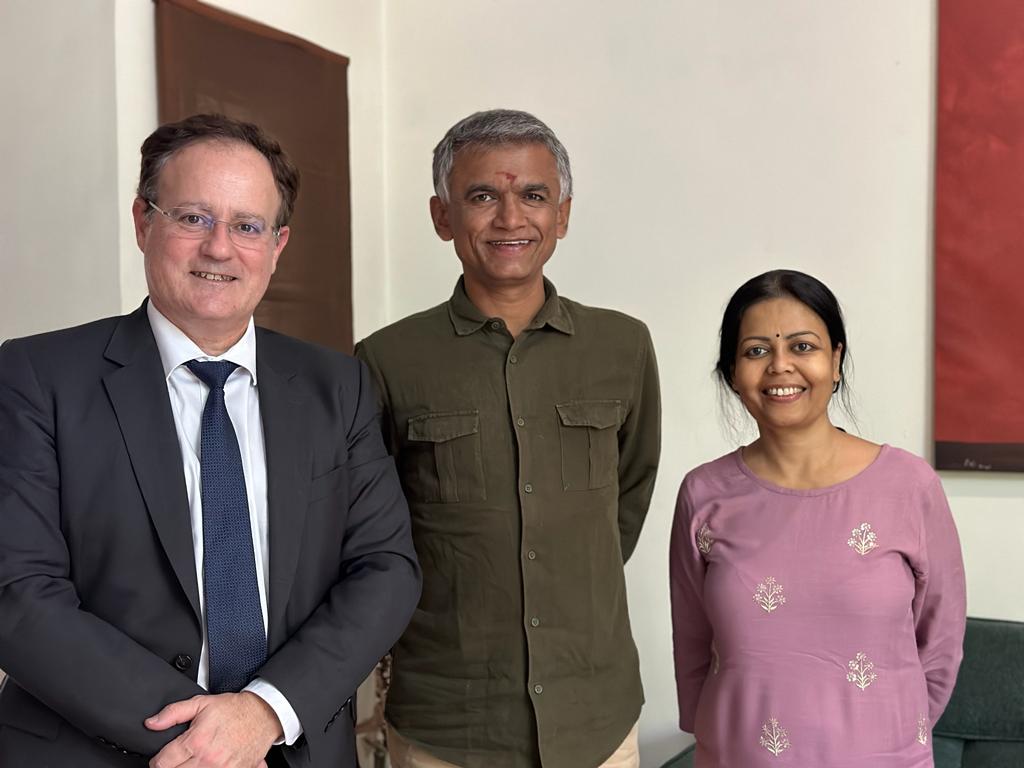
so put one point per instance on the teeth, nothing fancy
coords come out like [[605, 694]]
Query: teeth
[[783, 391], [510, 242], [213, 276]]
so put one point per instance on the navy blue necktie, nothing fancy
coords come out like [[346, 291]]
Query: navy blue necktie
[[234, 621]]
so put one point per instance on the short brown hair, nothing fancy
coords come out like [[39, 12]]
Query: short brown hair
[[169, 138]]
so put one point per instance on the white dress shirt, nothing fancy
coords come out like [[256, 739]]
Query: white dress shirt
[[241, 397]]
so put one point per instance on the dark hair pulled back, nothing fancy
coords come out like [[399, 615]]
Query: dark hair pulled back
[[777, 284]]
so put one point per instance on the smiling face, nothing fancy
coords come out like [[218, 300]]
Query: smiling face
[[209, 286], [785, 365], [503, 216]]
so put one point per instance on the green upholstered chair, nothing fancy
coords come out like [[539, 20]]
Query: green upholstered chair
[[983, 726], [683, 760]]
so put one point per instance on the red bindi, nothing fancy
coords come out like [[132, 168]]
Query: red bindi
[[510, 176]]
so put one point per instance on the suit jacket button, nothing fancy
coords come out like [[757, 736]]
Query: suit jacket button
[[182, 662]]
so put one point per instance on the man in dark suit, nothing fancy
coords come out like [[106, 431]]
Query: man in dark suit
[[204, 546]]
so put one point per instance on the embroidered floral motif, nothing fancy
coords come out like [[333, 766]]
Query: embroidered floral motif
[[714, 659], [704, 539], [862, 539], [774, 737], [860, 673], [769, 594], [922, 729]]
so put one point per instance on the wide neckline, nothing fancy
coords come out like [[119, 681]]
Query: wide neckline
[[768, 485]]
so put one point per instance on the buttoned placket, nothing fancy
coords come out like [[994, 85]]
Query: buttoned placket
[[514, 374]]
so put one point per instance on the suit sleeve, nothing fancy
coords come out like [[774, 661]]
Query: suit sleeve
[[639, 448], [691, 631], [940, 603], [80, 666], [364, 353], [369, 606]]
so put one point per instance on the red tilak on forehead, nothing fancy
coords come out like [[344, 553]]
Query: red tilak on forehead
[[510, 176]]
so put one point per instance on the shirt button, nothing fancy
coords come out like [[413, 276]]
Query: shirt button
[[534, 622], [513, 359], [538, 689], [532, 555], [521, 421], [496, 326], [528, 488]]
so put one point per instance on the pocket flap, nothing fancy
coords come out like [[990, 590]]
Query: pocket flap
[[598, 414], [441, 427], [328, 483]]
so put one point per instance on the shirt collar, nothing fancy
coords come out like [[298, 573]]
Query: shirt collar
[[467, 319], [176, 348]]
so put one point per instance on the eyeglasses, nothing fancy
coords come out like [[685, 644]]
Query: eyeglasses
[[244, 232]]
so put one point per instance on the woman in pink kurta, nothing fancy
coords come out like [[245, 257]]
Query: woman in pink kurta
[[817, 584]]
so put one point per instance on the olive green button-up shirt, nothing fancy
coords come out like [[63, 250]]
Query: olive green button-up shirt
[[528, 464]]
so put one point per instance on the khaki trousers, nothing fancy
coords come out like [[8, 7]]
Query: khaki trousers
[[406, 755]]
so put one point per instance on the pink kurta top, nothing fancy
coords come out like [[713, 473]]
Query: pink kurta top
[[816, 628]]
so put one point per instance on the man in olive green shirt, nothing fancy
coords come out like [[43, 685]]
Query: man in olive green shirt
[[526, 431]]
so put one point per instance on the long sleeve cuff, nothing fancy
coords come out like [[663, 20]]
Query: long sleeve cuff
[[289, 720]]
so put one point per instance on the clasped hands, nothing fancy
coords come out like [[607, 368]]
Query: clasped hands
[[226, 730]]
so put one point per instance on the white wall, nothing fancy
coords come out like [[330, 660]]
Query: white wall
[[58, 219], [135, 82], [710, 142], [79, 93]]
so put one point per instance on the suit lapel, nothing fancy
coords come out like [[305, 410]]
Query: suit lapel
[[138, 393], [285, 415]]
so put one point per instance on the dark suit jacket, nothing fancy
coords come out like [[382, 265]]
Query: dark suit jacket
[[99, 601]]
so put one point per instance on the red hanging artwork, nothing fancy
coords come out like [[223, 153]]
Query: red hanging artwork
[[979, 236]]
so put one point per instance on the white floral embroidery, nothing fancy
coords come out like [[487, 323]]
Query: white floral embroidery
[[861, 673], [769, 594], [773, 737], [862, 539], [922, 729], [704, 539]]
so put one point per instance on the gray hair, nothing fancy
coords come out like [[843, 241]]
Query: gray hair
[[494, 128]]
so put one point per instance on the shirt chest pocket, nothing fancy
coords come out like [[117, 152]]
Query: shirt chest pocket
[[588, 430], [442, 461]]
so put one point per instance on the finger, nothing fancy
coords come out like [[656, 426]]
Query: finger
[[192, 762], [175, 754], [174, 714]]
